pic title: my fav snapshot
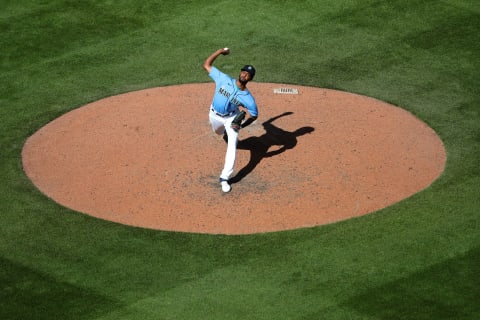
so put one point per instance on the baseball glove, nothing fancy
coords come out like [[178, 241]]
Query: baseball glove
[[237, 121]]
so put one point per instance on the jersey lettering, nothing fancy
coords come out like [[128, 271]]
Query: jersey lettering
[[224, 93]]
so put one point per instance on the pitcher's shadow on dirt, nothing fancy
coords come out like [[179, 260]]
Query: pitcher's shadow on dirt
[[259, 146]]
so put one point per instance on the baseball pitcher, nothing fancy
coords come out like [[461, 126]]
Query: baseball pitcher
[[233, 107]]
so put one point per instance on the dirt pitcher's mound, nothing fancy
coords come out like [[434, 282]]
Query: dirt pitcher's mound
[[316, 156]]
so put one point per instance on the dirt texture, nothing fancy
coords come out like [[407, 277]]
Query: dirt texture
[[150, 159]]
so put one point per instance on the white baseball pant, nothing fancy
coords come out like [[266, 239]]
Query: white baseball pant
[[220, 125]]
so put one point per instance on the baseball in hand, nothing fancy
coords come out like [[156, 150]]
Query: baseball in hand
[[226, 51]]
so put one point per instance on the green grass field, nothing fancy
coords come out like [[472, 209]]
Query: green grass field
[[418, 259]]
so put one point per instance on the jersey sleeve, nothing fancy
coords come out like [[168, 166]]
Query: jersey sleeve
[[252, 108], [217, 75]]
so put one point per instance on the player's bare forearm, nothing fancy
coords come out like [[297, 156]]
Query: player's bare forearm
[[248, 117], [207, 65], [248, 121]]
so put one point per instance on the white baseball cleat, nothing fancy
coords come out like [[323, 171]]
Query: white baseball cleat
[[225, 186]]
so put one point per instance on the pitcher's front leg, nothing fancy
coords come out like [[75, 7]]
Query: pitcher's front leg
[[231, 152]]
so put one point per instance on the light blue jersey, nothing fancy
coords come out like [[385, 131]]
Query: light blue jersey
[[228, 97]]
